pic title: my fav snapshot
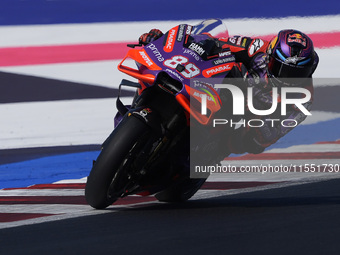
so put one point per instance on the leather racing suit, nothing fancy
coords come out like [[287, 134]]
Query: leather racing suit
[[251, 52]]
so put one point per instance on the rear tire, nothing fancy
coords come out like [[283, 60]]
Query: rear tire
[[115, 150]]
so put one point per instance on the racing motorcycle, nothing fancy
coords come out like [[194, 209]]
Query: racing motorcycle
[[149, 151]]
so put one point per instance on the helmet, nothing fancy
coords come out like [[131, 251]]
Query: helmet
[[290, 55]]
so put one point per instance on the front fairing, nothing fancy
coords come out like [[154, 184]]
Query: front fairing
[[187, 54]]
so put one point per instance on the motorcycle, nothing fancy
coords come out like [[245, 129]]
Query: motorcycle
[[149, 150]]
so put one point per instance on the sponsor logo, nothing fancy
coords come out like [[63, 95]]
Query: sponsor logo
[[209, 98], [216, 70], [170, 41], [293, 60], [193, 54], [255, 46], [223, 60], [198, 49], [232, 40], [297, 38], [143, 113], [180, 33], [244, 41], [225, 53], [205, 96], [201, 84], [238, 43], [155, 51], [174, 74], [189, 29], [146, 58]]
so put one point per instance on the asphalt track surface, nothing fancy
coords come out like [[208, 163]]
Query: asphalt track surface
[[301, 219]]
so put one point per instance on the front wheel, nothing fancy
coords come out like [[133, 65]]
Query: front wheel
[[106, 173]]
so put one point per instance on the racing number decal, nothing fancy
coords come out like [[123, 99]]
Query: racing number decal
[[190, 70], [174, 61]]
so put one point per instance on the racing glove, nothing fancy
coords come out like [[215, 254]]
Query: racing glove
[[153, 35]]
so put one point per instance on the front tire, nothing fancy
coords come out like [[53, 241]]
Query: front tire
[[181, 191], [115, 151]]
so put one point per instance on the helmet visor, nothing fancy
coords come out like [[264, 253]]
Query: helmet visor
[[280, 69]]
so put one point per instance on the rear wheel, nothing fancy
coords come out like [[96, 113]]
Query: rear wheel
[[108, 178]]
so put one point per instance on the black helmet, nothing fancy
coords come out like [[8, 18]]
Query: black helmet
[[291, 55]]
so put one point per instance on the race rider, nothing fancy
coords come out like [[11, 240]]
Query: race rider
[[290, 54]]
